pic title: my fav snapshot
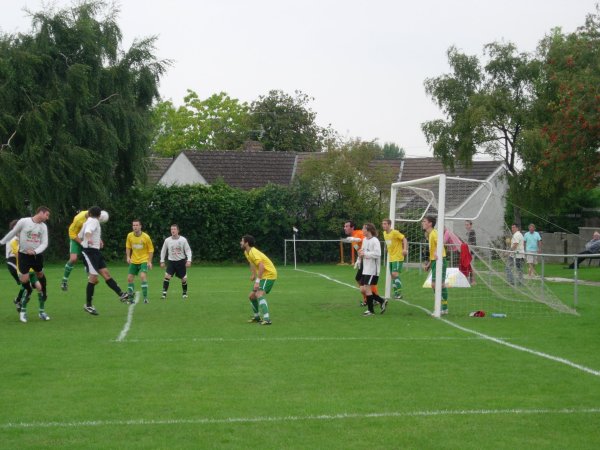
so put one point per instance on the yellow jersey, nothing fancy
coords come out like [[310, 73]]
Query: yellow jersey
[[77, 224], [140, 246], [255, 257], [394, 242], [433, 238]]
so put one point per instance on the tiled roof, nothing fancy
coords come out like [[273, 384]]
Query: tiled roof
[[244, 170], [393, 165], [415, 168], [157, 167]]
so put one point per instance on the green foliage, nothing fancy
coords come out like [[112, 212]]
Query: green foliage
[[75, 110], [565, 144], [344, 185], [216, 123], [390, 150], [285, 123]]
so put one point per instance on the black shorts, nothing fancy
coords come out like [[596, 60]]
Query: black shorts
[[177, 267], [27, 262], [369, 280], [93, 260], [358, 276]]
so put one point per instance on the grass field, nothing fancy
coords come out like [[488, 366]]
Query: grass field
[[194, 374]]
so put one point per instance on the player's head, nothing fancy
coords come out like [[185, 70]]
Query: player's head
[[370, 228], [349, 227], [386, 224], [42, 213], [247, 241], [174, 230], [136, 226], [94, 212], [428, 222]]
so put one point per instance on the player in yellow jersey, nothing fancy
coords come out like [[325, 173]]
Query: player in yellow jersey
[[263, 274], [139, 251], [397, 248], [74, 246], [428, 224]]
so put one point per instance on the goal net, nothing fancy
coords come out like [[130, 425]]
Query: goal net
[[484, 276]]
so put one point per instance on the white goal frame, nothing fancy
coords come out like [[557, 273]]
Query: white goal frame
[[441, 222]]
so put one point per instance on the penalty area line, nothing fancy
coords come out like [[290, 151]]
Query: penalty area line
[[318, 417], [484, 336], [127, 326]]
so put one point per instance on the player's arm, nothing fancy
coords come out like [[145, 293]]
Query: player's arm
[[405, 247], [128, 252], [44, 245], [150, 255], [12, 233], [163, 253], [188, 253]]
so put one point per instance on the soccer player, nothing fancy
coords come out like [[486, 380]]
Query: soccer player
[[355, 238], [32, 234], [370, 254], [533, 244], [74, 246], [263, 274], [179, 256], [428, 224], [397, 247], [91, 241], [139, 251], [11, 264]]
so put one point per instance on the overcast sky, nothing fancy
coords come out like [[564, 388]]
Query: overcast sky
[[364, 62]]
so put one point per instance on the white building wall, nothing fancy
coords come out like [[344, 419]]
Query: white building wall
[[181, 172]]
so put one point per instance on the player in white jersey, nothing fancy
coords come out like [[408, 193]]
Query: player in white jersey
[[91, 242], [32, 233], [179, 257], [370, 253]]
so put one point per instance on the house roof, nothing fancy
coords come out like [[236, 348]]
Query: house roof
[[415, 168], [244, 169], [157, 168]]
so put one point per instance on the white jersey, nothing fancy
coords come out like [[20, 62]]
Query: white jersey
[[91, 225], [177, 249], [31, 235], [371, 260]]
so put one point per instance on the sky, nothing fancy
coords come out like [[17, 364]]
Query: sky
[[363, 62]]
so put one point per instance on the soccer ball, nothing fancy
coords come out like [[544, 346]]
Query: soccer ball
[[103, 216]]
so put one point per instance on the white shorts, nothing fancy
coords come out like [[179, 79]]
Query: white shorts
[[531, 259]]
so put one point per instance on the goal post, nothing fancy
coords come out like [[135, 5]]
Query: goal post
[[485, 274]]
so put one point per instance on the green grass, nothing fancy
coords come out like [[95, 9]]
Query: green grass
[[194, 374]]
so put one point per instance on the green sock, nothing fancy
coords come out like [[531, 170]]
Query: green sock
[[254, 304], [145, 289], [130, 288], [41, 301], [444, 298], [68, 269], [264, 308], [397, 286]]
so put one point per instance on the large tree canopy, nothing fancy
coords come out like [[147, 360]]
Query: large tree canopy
[[216, 123], [286, 123], [74, 109]]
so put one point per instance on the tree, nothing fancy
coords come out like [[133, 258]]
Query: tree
[[487, 108], [75, 109], [285, 123], [565, 146], [216, 123], [344, 184], [389, 150]]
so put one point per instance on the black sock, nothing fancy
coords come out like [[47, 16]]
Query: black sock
[[89, 293], [184, 286], [114, 286], [370, 302], [42, 281], [166, 285]]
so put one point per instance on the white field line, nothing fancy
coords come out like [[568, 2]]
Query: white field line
[[319, 417], [127, 326], [304, 338], [485, 336]]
